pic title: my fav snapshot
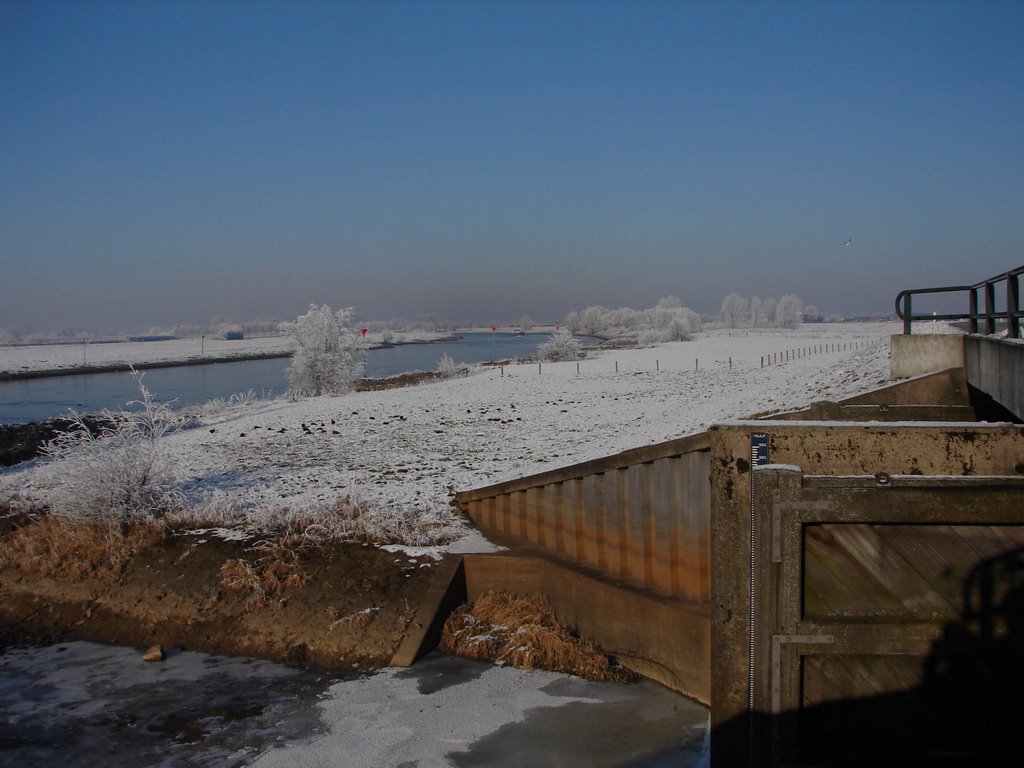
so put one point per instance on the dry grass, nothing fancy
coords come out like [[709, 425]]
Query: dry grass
[[56, 547], [360, 619], [523, 631], [267, 577], [342, 519]]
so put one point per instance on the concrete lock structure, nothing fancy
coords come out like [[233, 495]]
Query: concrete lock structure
[[854, 559]]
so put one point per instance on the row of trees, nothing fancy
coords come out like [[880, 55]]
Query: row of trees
[[738, 312], [668, 320]]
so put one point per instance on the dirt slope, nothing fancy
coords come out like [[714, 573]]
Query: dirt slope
[[353, 610]]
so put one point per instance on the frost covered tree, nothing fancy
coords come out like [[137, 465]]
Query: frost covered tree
[[755, 312], [595, 319], [665, 323], [560, 346], [789, 311], [734, 309], [526, 323], [328, 359]]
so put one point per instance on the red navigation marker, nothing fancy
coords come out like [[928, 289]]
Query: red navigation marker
[[494, 328], [362, 331]]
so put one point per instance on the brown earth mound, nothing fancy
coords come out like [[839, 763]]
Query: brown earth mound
[[335, 606]]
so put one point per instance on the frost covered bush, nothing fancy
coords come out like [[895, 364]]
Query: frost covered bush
[[118, 474], [560, 346], [449, 369], [668, 320], [329, 352]]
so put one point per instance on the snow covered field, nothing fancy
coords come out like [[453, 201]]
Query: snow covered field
[[412, 447]]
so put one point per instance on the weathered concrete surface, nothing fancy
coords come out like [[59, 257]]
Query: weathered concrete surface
[[915, 450], [447, 591], [912, 355], [996, 367], [640, 516], [664, 639]]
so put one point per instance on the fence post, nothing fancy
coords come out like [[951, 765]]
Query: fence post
[[990, 308], [1012, 306]]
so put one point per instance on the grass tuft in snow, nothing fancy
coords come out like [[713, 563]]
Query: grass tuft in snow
[[345, 519]]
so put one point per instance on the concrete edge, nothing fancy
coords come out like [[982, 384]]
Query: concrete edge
[[446, 592]]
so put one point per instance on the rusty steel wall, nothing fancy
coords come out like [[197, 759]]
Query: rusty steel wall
[[636, 517]]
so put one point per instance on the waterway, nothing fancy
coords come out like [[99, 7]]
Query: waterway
[[28, 400]]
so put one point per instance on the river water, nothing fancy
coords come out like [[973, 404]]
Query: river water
[[37, 399]]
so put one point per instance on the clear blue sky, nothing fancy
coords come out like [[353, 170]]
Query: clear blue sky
[[166, 162]]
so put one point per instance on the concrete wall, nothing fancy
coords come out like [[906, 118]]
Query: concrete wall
[[996, 367], [992, 365], [905, 451], [641, 516], [658, 637], [917, 354]]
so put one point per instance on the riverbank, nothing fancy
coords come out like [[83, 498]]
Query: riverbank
[[41, 360], [346, 606], [408, 448]]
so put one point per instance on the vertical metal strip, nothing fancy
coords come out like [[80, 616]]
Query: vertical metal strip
[[758, 457]]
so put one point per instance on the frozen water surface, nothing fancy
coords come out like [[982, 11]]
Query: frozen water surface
[[93, 705]]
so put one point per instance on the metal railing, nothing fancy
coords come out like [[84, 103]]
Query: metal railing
[[1011, 315]]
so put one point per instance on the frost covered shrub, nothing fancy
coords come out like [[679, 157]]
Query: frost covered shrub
[[342, 519], [560, 346], [119, 472], [329, 356], [449, 369]]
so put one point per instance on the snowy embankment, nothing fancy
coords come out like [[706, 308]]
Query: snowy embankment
[[22, 360], [411, 448]]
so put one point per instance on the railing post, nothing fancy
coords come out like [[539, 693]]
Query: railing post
[[990, 307], [1012, 306], [906, 314], [973, 309]]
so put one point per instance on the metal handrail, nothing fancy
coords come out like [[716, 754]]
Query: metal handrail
[[1012, 313]]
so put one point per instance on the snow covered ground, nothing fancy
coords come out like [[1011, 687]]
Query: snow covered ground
[[411, 447]]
